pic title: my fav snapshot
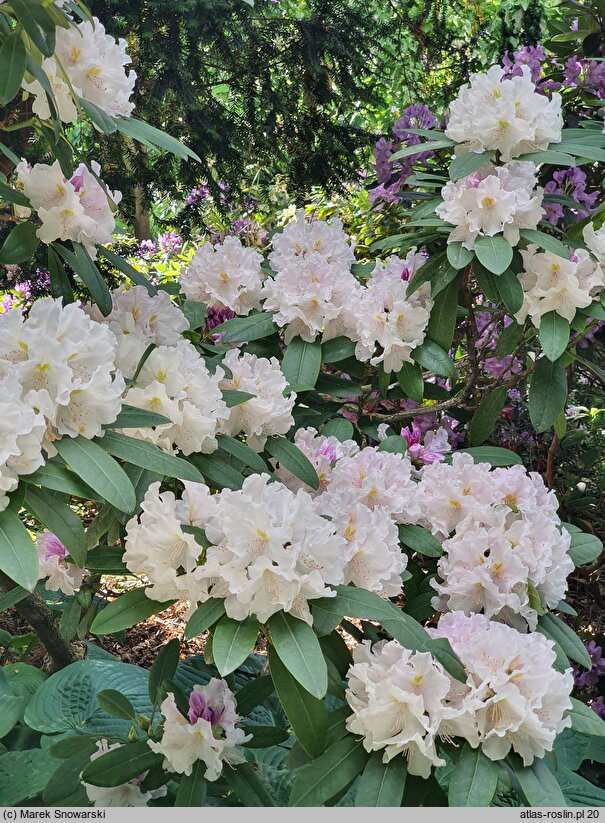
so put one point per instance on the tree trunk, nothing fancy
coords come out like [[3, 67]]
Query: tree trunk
[[142, 226], [34, 610]]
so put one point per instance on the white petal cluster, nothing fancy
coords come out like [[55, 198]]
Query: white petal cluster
[[95, 67], [228, 275], [303, 239], [518, 698], [506, 548], [322, 452], [552, 283], [492, 201], [505, 114], [269, 549], [58, 366], [269, 412], [209, 733], [595, 241], [127, 795], [138, 319], [401, 701], [388, 323], [78, 209], [53, 567], [175, 382]]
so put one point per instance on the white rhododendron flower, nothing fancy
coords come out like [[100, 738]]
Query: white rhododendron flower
[[491, 201], [507, 545], [209, 733], [95, 67], [175, 382], [388, 323], [519, 699], [77, 209], [269, 412], [504, 113], [225, 276], [595, 240], [552, 283], [60, 575], [322, 452], [137, 319], [402, 701], [127, 795], [303, 239]]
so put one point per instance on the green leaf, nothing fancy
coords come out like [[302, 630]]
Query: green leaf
[[13, 60], [253, 694], [24, 774], [196, 314], [458, 256], [89, 274], [420, 540], [264, 736], [468, 163], [554, 628], [10, 195], [429, 272], [307, 715], [585, 151], [38, 24], [163, 670], [193, 788], [291, 458], [411, 382], [432, 357], [125, 611], [103, 121], [58, 478], [298, 649], [584, 720], [337, 349], [106, 559], [538, 784], [236, 398], [510, 290], [302, 362], [495, 253], [60, 285], [61, 521], [205, 616], [20, 244], [247, 785], [148, 456], [242, 452], [395, 444], [545, 241], [547, 393], [409, 151], [116, 704], [381, 784], [554, 334], [232, 642], [330, 773], [130, 417], [154, 138], [99, 471], [340, 428], [121, 765], [217, 472], [11, 598], [487, 413], [18, 555], [550, 157], [474, 779], [442, 321], [494, 455], [244, 329], [122, 265], [585, 548], [508, 340]]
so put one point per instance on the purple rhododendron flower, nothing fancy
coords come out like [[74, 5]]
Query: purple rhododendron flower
[[198, 708]]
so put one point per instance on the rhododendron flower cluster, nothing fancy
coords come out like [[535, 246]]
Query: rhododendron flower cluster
[[94, 65], [311, 239], [491, 201], [322, 452], [519, 700], [506, 545], [60, 575], [225, 276], [78, 209], [595, 240], [209, 733], [423, 447], [269, 412], [505, 114], [552, 283], [128, 795]]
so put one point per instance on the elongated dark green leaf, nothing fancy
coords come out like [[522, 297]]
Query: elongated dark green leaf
[[18, 555], [253, 693], [205, 616], [298, 649], [547, 393], [307, 715], [61, 521], [568, 640], [154, 138], [244, 329], [122, 265], [107, 559], [163, 669], [395, 444], [495, 253], [13, 60], [9, 599], [554, 334], [340, 428], [538, 784], [116, 704], [87, 271], [510, 290], [409, 151], [584, 720], [580, 149], [487, 413], [236, 398], [148, 456], [58, 478], [130, 417], [381, 784], [432, 357], [121, 765], [432, 269], [20, 244], [264, 736], [217, 472], [545, 241], [125, 611], [337, 349], [330, 773], [99, 471], [468, 163], [442, 321], [420, 540], [248, 786], [193, 788], [10, 195], [302, 362], [242, 452], [291, 458], [38, 24], [411, 382], [508, 340], [102, 121], [59, 281], [232, 642], [494, 455], [550, 157], [474, 779]]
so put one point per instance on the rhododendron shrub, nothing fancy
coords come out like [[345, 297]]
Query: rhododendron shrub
[[291, 447]]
